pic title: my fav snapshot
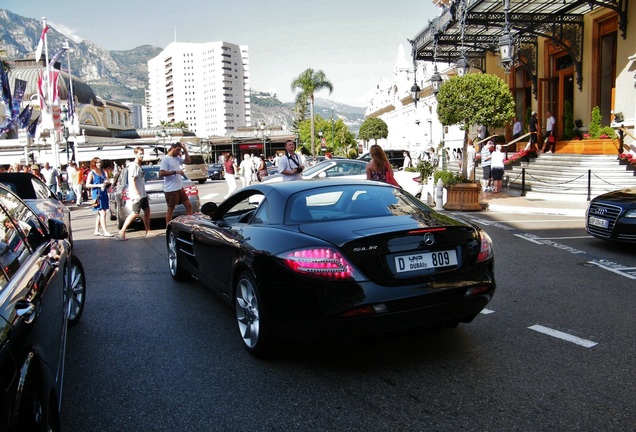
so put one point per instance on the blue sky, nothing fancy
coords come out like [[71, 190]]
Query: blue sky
[[354, 42]]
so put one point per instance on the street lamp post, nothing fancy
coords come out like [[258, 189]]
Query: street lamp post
[[333, 136], [264, 136], [65, 131], [163, 136]]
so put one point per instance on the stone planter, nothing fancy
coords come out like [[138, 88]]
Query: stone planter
[[464, 197]]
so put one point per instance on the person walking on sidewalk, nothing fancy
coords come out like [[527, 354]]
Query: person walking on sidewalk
[[486, 154], [497, 168], [170, 170], [549, 145], [97, 182], [137, 195], [533, 128]]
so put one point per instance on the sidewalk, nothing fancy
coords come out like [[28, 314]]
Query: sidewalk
[[534, 203]]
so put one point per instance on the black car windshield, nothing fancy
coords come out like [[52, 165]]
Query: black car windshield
[[342, 202]]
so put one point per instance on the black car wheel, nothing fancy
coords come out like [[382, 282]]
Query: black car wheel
[[249, 316], [75, 291], [176, 270]]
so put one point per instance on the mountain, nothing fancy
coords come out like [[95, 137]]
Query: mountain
[[266, 108], [122, 76]]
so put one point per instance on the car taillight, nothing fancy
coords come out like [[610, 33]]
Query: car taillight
[[485, 249], [191, 190], [320, 263]]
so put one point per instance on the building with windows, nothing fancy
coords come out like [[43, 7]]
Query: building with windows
[[566, 57], [205, 85]]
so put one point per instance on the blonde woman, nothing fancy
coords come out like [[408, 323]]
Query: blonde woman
[[97, 182], [379, 168]]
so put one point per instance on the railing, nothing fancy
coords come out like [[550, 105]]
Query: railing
[[563, 183]]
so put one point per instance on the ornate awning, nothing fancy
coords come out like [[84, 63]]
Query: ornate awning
[[445, 39]]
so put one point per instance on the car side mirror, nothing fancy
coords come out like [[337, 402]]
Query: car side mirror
[[209, 208], [57, 229]]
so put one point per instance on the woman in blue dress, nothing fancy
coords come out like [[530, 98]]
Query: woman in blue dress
[[97, 182]]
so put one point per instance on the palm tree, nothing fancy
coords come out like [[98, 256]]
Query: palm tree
[[310, 82]]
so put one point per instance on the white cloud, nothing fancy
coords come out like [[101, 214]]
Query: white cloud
[[67, 31]]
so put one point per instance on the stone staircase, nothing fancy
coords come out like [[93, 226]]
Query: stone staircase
[[567, 174]]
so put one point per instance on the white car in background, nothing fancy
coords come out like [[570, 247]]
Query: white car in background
[[353, 169]]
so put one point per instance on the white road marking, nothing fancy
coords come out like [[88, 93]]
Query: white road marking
[[628, 272], [487, 311], [565, 336]]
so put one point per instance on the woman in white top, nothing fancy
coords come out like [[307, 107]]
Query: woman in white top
[[497, 167]]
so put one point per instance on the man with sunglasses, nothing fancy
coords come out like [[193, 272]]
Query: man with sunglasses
[[292, 164]]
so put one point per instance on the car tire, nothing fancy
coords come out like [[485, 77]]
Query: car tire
[[201, 181], [174, 262], [75, 291], [248, 304]]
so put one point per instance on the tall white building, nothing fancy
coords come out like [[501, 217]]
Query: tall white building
[[205, 85]]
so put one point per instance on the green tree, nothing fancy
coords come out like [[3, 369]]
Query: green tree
[[474, 99], [342, 141], [373, 129], [308, 83]]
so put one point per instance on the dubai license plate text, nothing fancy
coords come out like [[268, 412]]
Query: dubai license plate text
[[427, 260]]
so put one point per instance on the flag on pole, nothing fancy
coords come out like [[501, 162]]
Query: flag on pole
[[70, 103], [7, 126], [56, 56], [6, 87], [38, 50], [43, 86], [33, 126], [55, 93], [25, 117], [19, 88]]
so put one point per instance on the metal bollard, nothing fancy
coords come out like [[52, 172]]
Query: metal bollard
[[439, 195]]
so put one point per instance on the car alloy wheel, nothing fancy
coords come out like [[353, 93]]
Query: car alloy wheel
[[75, 291], [177, 272], [248, 304]]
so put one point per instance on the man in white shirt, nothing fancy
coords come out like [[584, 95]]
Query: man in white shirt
[[550, 133], [170, 170], [137, 195], [51, 177], [292, 164]]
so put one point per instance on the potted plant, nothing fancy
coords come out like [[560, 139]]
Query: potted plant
[[462, 193], [470, 100]]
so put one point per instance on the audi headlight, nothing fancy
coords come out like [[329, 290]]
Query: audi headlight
[[630, 213]]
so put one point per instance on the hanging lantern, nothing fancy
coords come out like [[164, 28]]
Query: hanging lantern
[[507, 50], [415, 92], [462, 67], [436, 81]]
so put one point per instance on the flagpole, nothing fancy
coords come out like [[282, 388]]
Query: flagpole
[[49, 99]]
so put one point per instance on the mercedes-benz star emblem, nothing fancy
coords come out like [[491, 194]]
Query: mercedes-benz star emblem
[[429, 239]]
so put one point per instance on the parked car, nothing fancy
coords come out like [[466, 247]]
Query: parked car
[[197, 169], [121, 205], [354, 169], [38, 197], [395, 157], [42, 293], [612, 216], [215, 171], [333, 258]]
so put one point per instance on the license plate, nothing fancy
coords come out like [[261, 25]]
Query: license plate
[[155, 195], [598, 222], [426, 260]]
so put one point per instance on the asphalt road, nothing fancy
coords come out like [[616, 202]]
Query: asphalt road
[[553, 351]]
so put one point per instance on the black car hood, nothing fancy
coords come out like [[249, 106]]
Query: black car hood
[[622, 196]]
